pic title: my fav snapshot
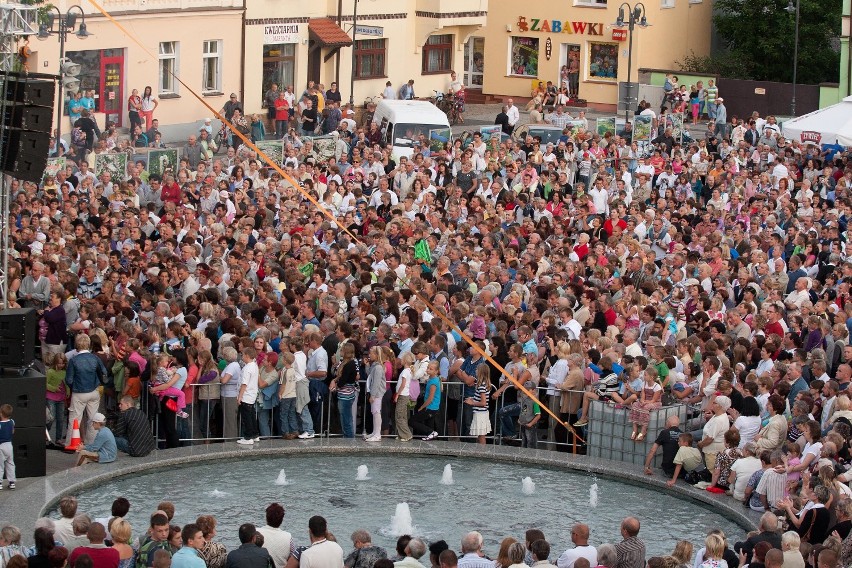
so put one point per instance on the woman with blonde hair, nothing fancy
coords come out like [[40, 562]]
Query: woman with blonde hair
[[714, 550], [402, 397], [376, 386], [120, 532], [683, 554]]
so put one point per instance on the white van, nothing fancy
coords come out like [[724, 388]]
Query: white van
[[403, 122]]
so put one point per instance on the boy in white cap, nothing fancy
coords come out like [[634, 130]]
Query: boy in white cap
[[103, 448]]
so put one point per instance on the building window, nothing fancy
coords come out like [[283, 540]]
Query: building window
[[168, 67], [524, 60], [279, 65], [667, 3], [591, 3], [211, 80], [438, 54], [370, 57]]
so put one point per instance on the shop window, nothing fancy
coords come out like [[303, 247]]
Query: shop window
[[211, 80], [591, 3], [168, 67], [438, 54], [370, 58], [279, 64], [524, 57]]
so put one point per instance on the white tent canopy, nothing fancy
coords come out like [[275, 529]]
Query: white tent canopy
[[830, 125]]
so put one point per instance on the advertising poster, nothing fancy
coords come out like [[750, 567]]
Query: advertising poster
[[438, 137]]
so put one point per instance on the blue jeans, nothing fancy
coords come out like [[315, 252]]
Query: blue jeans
[[508, 414], [344, 406], [184, 426], [123, 445], [307, 421], [57, 408], [711, 111], [287, 422], [265, 421]]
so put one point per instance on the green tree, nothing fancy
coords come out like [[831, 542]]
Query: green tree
[[761, 35]]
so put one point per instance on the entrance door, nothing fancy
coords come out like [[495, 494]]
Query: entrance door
[[569, 72], [314, 57], [474, 62], [112, 86]]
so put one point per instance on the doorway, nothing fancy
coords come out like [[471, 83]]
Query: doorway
[[569, 70], [314, 60], [474, 62], [111, 87]]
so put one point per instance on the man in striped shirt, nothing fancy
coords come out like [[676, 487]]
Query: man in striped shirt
[[773, 485], [133, 433]]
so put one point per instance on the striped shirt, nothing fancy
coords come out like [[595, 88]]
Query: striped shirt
[[134, 427], [481, 391], [773, 485]]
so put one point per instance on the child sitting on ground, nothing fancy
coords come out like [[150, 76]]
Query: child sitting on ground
[[165, 373], [689, 463]]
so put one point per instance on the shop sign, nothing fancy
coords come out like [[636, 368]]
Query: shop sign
[[111, 79], [560, 26], [373, 31], [811, 136], [281, 33], [619, 35]]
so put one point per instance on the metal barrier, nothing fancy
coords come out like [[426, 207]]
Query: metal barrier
[[205, 423]]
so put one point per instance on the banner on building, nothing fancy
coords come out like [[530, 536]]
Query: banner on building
[[281, 33], [115, 164], [274, 149]]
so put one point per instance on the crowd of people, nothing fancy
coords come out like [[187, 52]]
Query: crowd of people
[[76, 539], [378, 295]]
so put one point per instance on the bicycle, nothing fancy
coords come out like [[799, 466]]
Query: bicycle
[[222, 136]]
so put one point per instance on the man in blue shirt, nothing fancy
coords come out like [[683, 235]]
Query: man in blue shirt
[[83, 378], [188, 556], [467, 374], [103, 449]]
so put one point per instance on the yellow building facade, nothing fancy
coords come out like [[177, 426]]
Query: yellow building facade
[[293, 42], [543, 40], [200, 40]]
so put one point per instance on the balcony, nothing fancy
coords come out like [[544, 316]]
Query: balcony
[[453, 12]]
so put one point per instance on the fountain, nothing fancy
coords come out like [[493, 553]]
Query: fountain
[[282, 478], [447, 477], [400, 522], [363, 473], [441, 511], [528, 486], [593, 496]]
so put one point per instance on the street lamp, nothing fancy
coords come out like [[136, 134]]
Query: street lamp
[[790, 10], [60, 25], [635, 16]]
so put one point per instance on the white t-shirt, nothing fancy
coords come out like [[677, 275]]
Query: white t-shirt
[[322, 554], [249, 378], [567, 558], [748, 427], [744, 467]]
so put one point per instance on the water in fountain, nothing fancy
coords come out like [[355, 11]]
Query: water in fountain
[[282, 478], [217, 493], [528, 486], [447, 478], [363, 473], [401, 522], [593, 495]]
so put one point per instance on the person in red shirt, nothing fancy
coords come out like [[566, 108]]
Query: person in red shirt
[[171, 190], [773, 327], [282, 115], [102, 556]]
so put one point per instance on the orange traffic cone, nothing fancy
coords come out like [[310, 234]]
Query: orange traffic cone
[[74, 445]]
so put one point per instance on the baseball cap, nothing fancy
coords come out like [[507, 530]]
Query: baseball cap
[[99, 418]]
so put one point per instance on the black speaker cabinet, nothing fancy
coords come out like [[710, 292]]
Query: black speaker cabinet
[[20, 89], [29, 117], [17, 337], [26, 394], [29, 446]]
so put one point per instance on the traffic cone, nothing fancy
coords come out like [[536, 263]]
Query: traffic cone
[[74, 445]]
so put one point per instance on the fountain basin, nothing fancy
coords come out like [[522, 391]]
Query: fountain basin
[[486, 496]]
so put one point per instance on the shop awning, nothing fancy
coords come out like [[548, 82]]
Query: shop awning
[[326, 32]]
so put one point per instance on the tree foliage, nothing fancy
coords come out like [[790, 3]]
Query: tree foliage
[[759, 39]]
